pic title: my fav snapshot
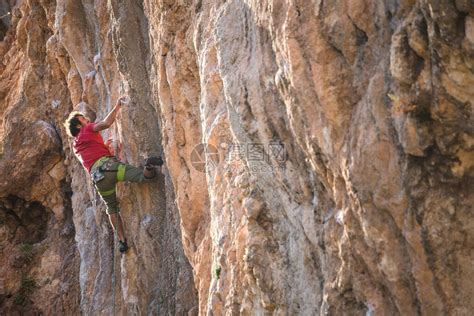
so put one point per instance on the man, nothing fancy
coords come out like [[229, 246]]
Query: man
[[104, 168]]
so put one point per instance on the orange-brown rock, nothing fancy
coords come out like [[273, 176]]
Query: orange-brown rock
[[319, 157]]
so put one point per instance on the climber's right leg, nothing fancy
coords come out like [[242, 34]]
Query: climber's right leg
[[117, 224]]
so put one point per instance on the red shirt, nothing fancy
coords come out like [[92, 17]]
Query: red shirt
[[89, 146]]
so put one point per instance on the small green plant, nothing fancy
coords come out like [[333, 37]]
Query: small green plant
[[26, 251], [27, 286], [218, 272], [26, 248]]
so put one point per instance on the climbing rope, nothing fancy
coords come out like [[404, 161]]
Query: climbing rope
[[106, 84], [100, 69], [113, 275]]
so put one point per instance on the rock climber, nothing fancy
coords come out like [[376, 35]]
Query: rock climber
[[104, 168]]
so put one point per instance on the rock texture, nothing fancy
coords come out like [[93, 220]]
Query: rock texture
[[319, 157], [57, 244]]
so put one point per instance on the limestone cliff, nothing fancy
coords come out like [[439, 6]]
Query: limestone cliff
[[318, 157]]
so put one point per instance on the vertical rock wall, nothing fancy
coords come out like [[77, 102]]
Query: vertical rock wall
[[59, 56], [372, 102], [319, 155]]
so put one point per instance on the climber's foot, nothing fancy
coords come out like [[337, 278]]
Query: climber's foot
[[153, 161], [123, 247]]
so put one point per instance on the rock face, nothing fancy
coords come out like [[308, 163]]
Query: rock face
[[57, 245], [319, 157]]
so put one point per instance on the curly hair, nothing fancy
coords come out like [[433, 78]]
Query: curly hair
[[72, 122]]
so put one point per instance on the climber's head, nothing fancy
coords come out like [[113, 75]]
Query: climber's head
[[74, 122]]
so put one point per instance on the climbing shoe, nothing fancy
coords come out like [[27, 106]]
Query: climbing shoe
[[123, 247], [153, 161]]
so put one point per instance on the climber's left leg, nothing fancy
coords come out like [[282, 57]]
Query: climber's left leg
[[130, 173]]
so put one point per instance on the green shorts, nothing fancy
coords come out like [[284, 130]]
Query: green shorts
[[114, 171]]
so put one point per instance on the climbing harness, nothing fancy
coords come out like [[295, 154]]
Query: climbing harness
[[97, 175], [98, 168], [103, 165]]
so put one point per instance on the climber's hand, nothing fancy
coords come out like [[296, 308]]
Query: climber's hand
[[110, 146], [123, 100], [97, 61]]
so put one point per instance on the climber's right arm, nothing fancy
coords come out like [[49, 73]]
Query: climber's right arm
[[110, 118]]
